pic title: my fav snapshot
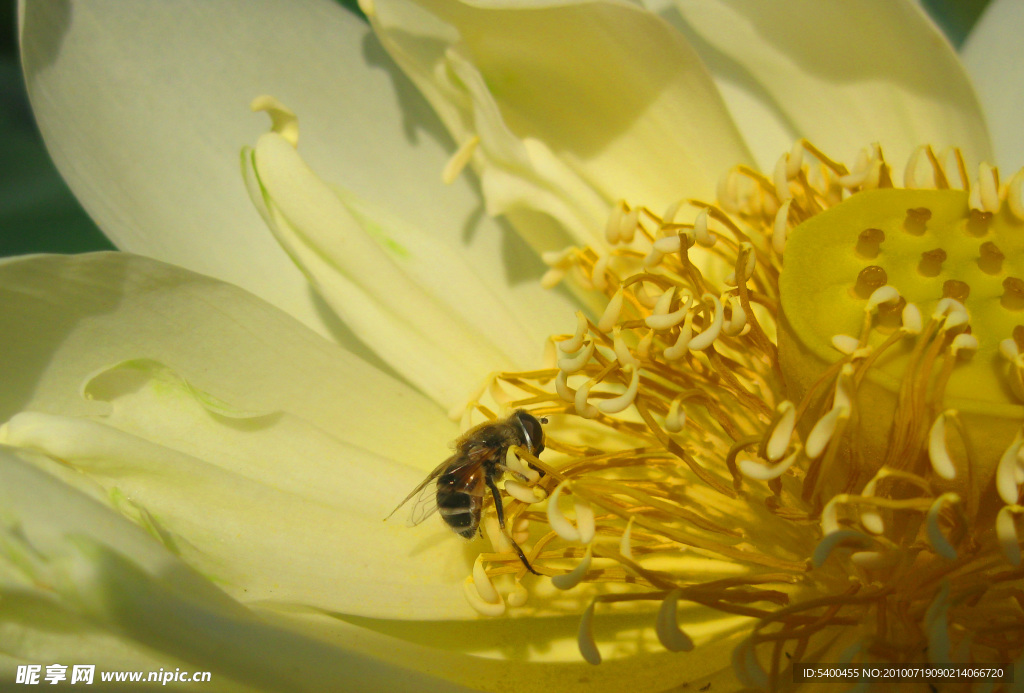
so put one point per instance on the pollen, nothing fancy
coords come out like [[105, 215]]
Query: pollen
[[801, 407]]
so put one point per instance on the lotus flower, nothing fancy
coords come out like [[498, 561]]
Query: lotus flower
[[778, 441]]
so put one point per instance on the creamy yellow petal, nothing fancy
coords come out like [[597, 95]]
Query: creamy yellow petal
[[96, 568], [575, 105], [410, 297], [992, 56], [146, 123], [64, 318], [843, 75]]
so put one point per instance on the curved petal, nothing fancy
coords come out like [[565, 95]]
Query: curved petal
[[843, 75], [575, 105], [145, 123], [86, 575], [65, 318], [406, 294], [991, 54]]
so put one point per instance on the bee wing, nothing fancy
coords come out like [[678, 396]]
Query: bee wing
[[424, 506], [426, 492]]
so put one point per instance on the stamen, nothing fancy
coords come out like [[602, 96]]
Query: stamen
[[559, 524], [845, 343], [570, 346], [781, 180], [471, 588], [669, 633], [1008, 471], [700, 230], [676, 417], [781, 431], [938, 541], [585, 522], [625, 542], [1006, 532], [883, 294], [617, 404], [1015, 195], [661, 319], [911, 318], [622, 352], [611, 313], [516, 466], [522, 492], [552, 278], [630, 223], [760, 472], [705, 338], [600, 274], [518, 596], [611, 229], [459, 159], [936, 626], [844, 536], [576, 362], [566, 581], [585, 637], [283, 120], [938, 453], [988, 187], [737, 318], [584, 408], [643, 347], [682, 344], [780, 229], [563, 389]]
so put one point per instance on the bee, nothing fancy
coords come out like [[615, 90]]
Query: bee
[[478, 462]]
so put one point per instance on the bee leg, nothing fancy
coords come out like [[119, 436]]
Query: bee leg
[[500, 509]]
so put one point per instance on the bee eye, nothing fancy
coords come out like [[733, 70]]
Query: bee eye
[[534, 431]]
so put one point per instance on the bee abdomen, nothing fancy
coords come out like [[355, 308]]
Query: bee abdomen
[[461, 511]]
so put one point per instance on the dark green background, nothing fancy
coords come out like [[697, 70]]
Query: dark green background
[[39, 214]]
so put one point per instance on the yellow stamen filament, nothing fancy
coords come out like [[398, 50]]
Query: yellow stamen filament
[[462, 156], [1008, 473]]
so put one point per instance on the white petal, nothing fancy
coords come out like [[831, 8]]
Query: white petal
[[144, 107], [843, 75], [991, 54], [64, 318], [576, 105], [413, 300], [106, 580], [251, 500]]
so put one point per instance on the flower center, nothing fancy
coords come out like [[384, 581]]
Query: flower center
[[918, 253], [799, 410]]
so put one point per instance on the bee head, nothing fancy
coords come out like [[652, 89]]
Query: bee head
[[533, 432]]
